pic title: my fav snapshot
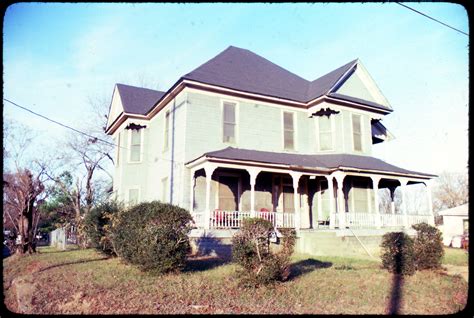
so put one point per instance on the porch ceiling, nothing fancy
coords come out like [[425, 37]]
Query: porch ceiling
[[326, 163]]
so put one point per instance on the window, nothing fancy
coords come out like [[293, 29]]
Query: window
[[229, 122], [288, 131], [228, 193], [357, 132], [135, 145], [325, 133], [164, 187], [167, 128], [133, 196]]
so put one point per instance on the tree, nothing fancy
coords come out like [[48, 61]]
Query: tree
[[22, 194], [451, 190]]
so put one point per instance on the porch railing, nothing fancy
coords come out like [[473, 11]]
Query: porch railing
[[233, 219], [371, 220]]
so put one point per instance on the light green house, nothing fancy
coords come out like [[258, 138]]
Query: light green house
[[240, 136]]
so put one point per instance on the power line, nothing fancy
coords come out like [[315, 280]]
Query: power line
[[76, 130], [432, 18]]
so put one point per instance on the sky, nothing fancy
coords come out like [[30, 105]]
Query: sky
[[56, 56]]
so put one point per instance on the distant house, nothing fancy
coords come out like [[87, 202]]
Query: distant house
[[240, 136], [455, 223]]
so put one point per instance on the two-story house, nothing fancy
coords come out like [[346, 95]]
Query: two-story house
[[240, 136]]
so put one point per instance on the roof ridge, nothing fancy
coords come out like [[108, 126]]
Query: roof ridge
[[133, 86]]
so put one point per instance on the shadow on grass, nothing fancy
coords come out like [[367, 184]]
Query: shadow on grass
[[81, 261], [306, 266], [204, 263]]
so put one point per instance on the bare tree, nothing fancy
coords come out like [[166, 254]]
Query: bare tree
[[22, 193], [451, 190]]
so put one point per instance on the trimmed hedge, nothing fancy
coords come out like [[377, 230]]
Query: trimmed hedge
[[397, 253], [97, 226], [428, 246], [153, 235], [251, 250]]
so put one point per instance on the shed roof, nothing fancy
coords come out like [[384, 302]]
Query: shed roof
[[461, 210]]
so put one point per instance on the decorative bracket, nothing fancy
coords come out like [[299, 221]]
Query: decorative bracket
[[135, 126], [325, 112]]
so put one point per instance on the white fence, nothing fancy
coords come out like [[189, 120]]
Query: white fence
[[370, 220], [58, 238]]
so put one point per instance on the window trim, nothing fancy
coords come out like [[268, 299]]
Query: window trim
[[140, 131], [362, 145], [133, 187], [333, 135], [295, 130], [166, 132], [236, 128]]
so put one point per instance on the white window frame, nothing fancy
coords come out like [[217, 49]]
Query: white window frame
[[166, 133], [295, 146], [236, 130], [165, 186], [134, 187], [333, 133], [130, 145], [362, 144], [295, 130]]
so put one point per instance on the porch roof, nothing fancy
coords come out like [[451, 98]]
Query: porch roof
[[325, 162]]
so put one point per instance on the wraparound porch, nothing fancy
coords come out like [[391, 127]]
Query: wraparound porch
[[224, 193]]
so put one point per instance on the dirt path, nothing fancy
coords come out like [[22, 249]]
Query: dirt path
[[458, 270]]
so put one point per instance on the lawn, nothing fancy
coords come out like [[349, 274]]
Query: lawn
[[83, 281]]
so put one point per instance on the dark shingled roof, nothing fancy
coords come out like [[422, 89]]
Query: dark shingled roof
[[325, 161], [244, 70], [138, 100]]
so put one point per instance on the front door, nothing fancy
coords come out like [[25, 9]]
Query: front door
[[228, 193]]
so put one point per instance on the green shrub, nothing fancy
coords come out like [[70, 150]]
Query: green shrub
[[97, 226], [397, 253], [153, 235], [251, 250], [428, 246]]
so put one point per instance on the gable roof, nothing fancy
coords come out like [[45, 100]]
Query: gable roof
[[461, 210], [325, 161], [243, 70], [138, 100]]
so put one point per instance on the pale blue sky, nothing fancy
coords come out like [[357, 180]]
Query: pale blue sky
[[56, 55]]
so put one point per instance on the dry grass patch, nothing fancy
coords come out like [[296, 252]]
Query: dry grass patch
[[83, 281]]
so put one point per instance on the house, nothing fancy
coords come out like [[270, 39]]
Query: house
[[455, 224], [240, 136]]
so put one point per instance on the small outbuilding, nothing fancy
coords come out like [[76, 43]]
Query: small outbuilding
[[455, 224]]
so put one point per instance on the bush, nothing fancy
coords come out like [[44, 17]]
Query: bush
[[97, 226], [397, 253], [251, 250], [153, 235], [428, 246]]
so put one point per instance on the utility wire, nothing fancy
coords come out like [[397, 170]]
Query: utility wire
[[432, 18], [76, 130]]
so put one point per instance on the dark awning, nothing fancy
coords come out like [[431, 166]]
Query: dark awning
[[379, 132]]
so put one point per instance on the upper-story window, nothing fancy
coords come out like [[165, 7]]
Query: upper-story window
[[325, 126], [288, 131], [167, 129], [229, 121], [357, 132], [135, 145]]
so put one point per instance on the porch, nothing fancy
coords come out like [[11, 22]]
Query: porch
[[225, 193]]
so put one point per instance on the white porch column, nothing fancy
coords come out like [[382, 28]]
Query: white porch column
[[392, 198], [331, 201], [209, 169], [320, 211], [375, 183], [253, 172], [403, 183], [341, 209], [296, 178], [191, 194], [428, 185]]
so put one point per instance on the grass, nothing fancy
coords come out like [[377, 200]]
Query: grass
[[83, 281], [455, 256]]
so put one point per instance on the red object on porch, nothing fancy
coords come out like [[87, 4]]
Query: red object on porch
[[264, 213], [219, 215]]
